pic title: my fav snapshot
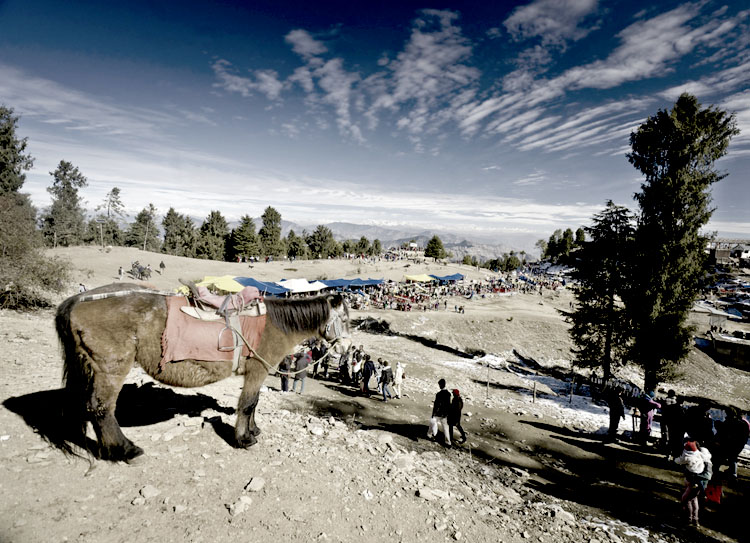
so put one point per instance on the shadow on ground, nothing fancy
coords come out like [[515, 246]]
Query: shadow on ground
[[629, 481], [136, 406]]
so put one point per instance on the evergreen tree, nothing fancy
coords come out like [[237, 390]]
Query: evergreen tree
[[270, 232], [64, 222], [295, 245], [244, 241], [13, 160], [321, 242], [105, 229], [600, 328], [675, 151], [173, 224], [26, 273], [189, 237], [580, 237], [435, 248], [377, 248], [349, 246], [143, 233], [213, 236], [363, 246]]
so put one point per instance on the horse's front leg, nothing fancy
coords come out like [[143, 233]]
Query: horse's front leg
[[246, 429]]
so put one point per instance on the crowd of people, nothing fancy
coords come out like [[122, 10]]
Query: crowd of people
[[689, 436]]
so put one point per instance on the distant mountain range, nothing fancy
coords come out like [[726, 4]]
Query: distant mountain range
[[393, 237]]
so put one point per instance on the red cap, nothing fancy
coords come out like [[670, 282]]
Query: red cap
[[691, 446], [455, 392]]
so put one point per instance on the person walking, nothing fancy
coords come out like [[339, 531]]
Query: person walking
[[386, 377], [398, 378], [119, 273], [616, 411], [284, 366], [440, 411], [698, 470], [648, 407], [454, 415], [368, 370], [303, 360]]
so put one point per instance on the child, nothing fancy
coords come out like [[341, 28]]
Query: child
[[698, 471]]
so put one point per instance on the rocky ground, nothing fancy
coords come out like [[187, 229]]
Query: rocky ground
[[332, 465]]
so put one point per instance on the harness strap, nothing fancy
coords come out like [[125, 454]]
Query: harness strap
[[121, 293]]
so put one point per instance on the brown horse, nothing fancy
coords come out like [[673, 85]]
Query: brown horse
[[103, 338]]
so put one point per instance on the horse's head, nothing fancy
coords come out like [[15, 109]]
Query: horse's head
[[337, 326]]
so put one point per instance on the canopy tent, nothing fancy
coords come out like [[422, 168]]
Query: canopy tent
[[365, 282], [265, 287], [421, 278], [336, 283], [301, 285], [446, 278], [221, 282]]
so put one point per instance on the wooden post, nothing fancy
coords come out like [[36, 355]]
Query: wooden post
[[488, 380], [572, 385]]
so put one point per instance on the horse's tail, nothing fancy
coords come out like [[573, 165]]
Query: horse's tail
[[77, 378]]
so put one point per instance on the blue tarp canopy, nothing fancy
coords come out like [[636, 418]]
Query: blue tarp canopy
[[336, 283], [263, 286], [454, 277], [350, 283]]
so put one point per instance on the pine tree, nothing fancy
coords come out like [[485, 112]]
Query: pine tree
[[675, 151], [435, 248], [243, 240], [600, 328], [64, 222], [26, 273], [270, 232], [376, 248], [144, 232], [295, 245], [13, 160], [213, 236]]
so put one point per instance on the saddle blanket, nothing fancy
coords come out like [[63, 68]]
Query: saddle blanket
[[187, 338]]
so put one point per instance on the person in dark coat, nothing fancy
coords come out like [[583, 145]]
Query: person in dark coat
[[284, 366], [616, 411], [700, 426], [731, 438], [454, 415], [368, 370], [440, 411], [672, 424]]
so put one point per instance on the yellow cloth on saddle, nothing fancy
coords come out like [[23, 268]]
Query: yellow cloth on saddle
[[187, 338]]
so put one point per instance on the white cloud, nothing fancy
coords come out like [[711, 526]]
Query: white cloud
[[265, 82], [554, 21], [304, 44]]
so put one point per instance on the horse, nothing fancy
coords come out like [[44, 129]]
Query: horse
[[106, 331]]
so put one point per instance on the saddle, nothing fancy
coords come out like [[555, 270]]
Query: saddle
[[211, 327], [213, 307]]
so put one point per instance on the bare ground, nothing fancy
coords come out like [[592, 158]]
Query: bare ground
[[332, 465]]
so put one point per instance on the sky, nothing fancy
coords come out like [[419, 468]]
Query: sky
[[495, 120]]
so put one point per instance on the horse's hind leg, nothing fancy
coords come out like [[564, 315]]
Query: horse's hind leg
[[106, 386]]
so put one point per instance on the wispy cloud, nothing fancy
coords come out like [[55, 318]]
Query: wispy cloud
[[265, 82], [554, 21]]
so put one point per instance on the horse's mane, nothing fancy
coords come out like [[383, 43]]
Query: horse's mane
[[292, 315]]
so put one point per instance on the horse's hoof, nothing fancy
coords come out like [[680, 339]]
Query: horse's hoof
[[136, 460], [255, 431], [247, 442]]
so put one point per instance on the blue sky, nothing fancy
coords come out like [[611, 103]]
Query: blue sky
[[498, 120]]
